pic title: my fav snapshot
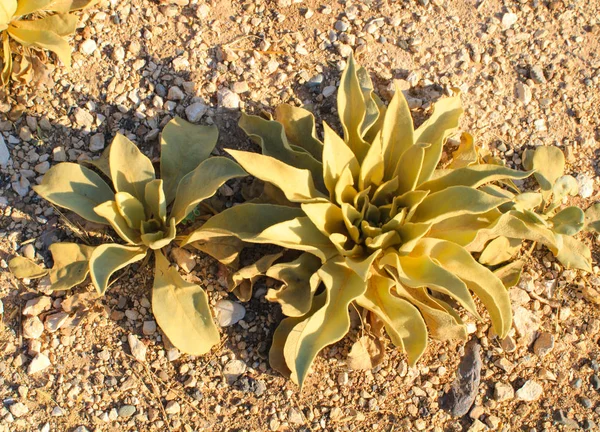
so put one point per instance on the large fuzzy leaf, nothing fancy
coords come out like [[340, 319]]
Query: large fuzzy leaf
[[161, 239], [327, 325], [372, 110], [500, 250], [403, 322], [131, 209], [62, 6], [7, 11], [568, 221], [155, 200], [478, 279], [203, 183], [61, 24], [464, 229], [352, 109], [108, 258], [397, 132], [182, 311], [296, 123], [592, 218], [183, 146], [71, 264], [109, 211], [549, 165], [75, 188], [130, 169], [466, 154], [435, 130], [245, 278], [6, 59], [43, 39], [336, 156], [574, 254], [473, 176], [510, 274], [296, 184], [224, 248], [409, 167], [455, 201], [26, 7], [23, 268]]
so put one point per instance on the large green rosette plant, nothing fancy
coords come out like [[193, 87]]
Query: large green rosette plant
[[362, 209], [144, 211]]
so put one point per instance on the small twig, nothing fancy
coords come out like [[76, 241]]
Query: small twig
[[551, 303]]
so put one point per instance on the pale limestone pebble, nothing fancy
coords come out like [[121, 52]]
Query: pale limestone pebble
[[184, 259], [173, 407], [229, 313], [38, 364], [196, 111], [83, 118], [149, 328], [503, 392], [518, 297], [88, 46], [544, 344], [173, 354], [59, 154], [526, 323], [295, 416], [233, 370], [530, 391], [4, 152], [97, 142], [477, 426], [28, 251], [240, 87], [228, 99], [42, 167], [586, 185], [37, 305], [57, 412], [18, 409], [523, 92], [33, 328], [55, 321], [138, 349], [509, 19], [21, 186], [175, 94], [180, 64]]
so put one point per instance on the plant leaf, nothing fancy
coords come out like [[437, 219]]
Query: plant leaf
[[71, 264], [296, 122], [108, 258], [130, 169], [403, 322], [225, 249], [336, 156], [182, 311], [569, 221], [131, 209], [202, 183], [510, 274], [43, 39], [183, 146], [109, 211], [472, 176], [592, 218], [245, 278], [564, 185], [296, 184], [61, 24], [467, 153], [7, 11], [435, 130], [574, 254], [6, 59], [549, 165], [500, 250], [69, 5], [364, 354], [328, 324], [24, 268], [409, 167], [26, 7], [75, 188], [396, 133], [156, 202]]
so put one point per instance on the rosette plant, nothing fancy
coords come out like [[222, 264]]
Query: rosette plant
[[367, 211], [37, 25], [144, 211]]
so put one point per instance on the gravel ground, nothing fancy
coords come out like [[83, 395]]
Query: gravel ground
[[530, 75]]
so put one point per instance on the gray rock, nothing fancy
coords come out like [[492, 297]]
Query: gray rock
[[173, 407], [57, 412], [126, 411], [21, 187], [33, 328], [462, 394], [295, 416], [329, 90], [195, 111], [503, 392], [537, 75], [55, 321], [138, 349], [149, 328], [523, 93], [97, 142], [18, 409], [36, 306], [530, 391], [341, 26], [229, 313], [544, 344], [83, 118], [175, 94], [4, 153], [233, 370], [560, 417], [228, 99]]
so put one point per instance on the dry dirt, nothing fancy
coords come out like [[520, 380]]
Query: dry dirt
[[268, 52]]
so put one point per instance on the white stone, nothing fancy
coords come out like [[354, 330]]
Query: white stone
[[36, 306], [97, 142], [233, 370], [523, 92], [83, 117], [58, 412], [21, 187], [88, 46], [195, 111], [55, 321], [138, 349], [526, 323], [228, 99], [180, 63], [229, 313], [530, 391], [172, 407], [586, 186], [329, 90], [38, 364], [508, 20], [42, 167], [18, 409], [33, 328], [175, 93], [184, 259], [59, 154], [4, 153]]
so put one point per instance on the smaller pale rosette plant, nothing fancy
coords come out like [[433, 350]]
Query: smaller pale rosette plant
[[144, 211]]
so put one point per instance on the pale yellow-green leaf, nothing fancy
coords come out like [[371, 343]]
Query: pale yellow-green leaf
[[300, 282], [327, 217], [131, 209], [182, 310], [61, 24], [202, 183], [464, 229], [435, 130], [510, 274], [296, 184], [500, 250], [527, 200], [370, 135], [549, 165], [6, 59], [109, 212], [568, 221], [108, 258], [478, 279], [574, 254], [564, 186], [43, 39], [328, 324], [183, 146], [344, 191], [455, 201], [75, 188], [64, 6], [299, 126], [161, 239], [472, 176], [225, 249], [155, 200], [26, 7], [352, 110], [410, 233], [363, 266], [466, 154], [409, 167], [592, 218], [403, 322], [130, 169], [336, 156], [71, 264], [396, 133], [271, 137], [372, 167], [7, 11], [23, 268], [372, 112], [245, 278]]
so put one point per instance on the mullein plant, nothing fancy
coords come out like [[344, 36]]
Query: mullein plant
[[378, 225], [144, 211], [36, 25]]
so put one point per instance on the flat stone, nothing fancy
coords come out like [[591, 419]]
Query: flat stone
[[33, 328], [523, 93], [37, 305], [18, 409], [503, 392], [97, 142], [462, 394], [228, 99], [126, 411], [173, 354], [537, 74], [240, 87], [57, 412], [229, 313], [38, 364], [295, 416], [526, 323], [328, 91], [530, 391], [518, 297], [184, 259], [4, 152], [138, 349], [55, 321], [149, 327], [175, 94], [196, 111], [233, 370], [173, 407], [508, 20], [83, 118], [544, 344], [59, 154], [88, 46]]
